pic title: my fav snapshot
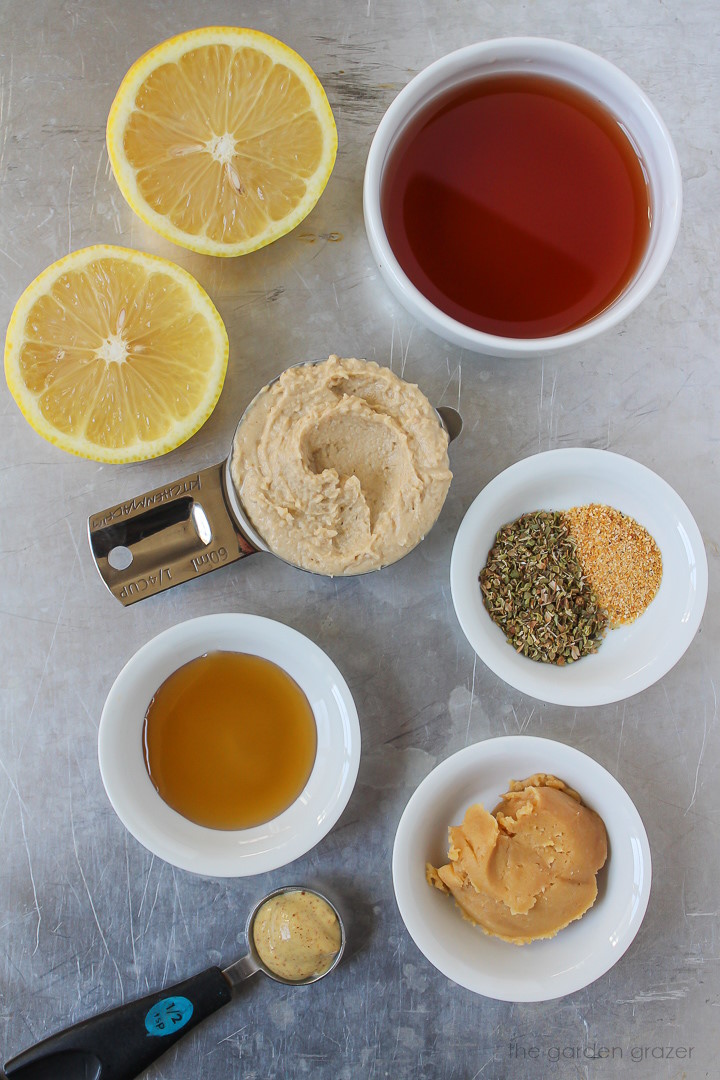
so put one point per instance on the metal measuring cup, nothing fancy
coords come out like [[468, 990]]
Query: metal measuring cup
[[186, 528]]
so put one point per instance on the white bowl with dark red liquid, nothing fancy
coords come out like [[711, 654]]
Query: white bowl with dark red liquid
[[521, 196]]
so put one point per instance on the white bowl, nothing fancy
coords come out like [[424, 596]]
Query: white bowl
[[216, 852], [602, 81], [542, 970], [630, 658]]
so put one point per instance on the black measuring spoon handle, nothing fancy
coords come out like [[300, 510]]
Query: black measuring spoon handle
[[121, 1043]]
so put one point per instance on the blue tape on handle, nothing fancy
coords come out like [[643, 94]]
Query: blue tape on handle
[[168, 1015]]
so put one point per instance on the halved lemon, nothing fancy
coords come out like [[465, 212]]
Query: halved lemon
[[115, 355], [221, 139]]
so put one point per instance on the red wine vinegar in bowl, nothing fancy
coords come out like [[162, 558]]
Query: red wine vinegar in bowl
[[521, 196]]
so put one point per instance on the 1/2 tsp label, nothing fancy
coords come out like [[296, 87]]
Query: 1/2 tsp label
[[168, 1015]]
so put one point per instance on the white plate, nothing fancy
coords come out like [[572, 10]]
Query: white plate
[[214, 852], [630, 658], [542, 970]]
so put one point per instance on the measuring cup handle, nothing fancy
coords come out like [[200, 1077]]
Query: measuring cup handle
[[171, 534], [121, 1043]]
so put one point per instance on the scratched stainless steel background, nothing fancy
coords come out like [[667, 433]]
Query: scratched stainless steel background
[[87, 917]]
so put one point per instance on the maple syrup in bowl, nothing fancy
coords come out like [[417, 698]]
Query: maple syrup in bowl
[[521, 196], [229, 740], [229, 745]]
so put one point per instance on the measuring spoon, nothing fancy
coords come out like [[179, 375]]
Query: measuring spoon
[[121, 1043]]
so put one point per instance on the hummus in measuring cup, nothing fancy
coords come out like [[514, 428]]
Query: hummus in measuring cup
[[341, 466]]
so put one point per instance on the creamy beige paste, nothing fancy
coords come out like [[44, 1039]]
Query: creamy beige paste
[[341, 466], [528, 869], [297, 935]]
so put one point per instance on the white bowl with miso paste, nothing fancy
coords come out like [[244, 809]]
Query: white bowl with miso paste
[[521, 196]]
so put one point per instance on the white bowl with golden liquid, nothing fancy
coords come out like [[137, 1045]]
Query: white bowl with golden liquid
[[220, 852]]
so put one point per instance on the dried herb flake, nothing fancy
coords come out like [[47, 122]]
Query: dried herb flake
[[534, 589]]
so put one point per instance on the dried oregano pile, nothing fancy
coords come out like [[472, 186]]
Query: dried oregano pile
[[534, 588]]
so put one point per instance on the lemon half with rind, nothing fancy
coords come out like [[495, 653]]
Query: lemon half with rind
[[115, 355], [221, 139]]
